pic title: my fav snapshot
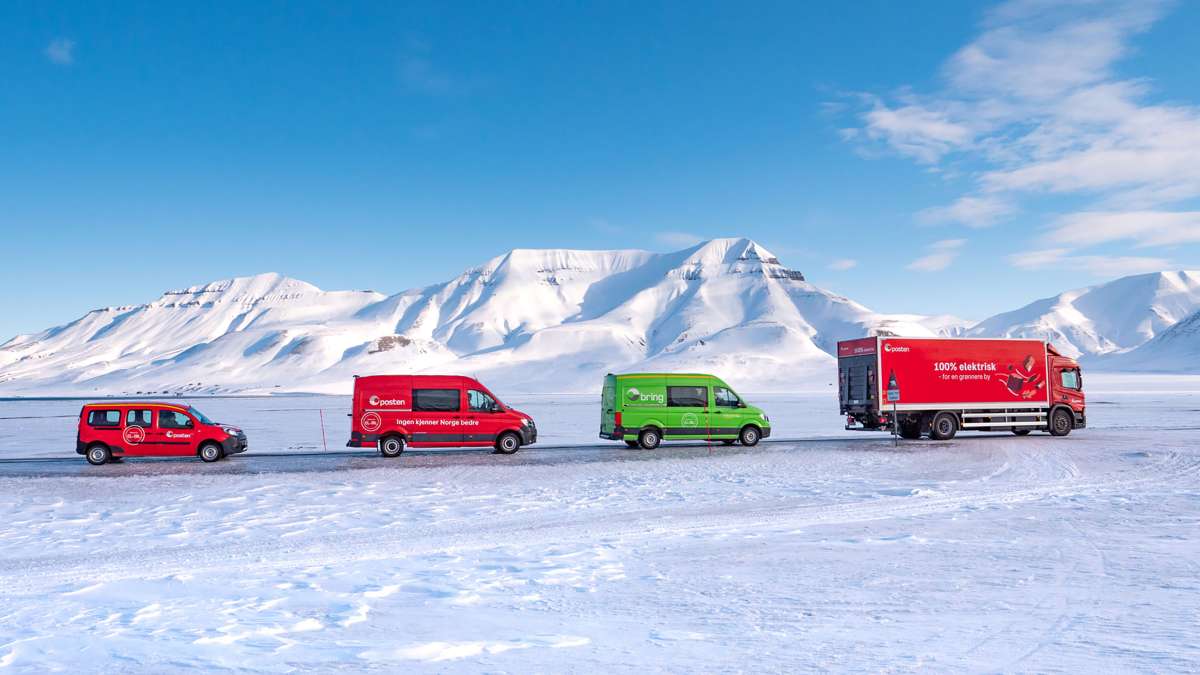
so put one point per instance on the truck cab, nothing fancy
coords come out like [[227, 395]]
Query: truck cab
[[1066, 386]]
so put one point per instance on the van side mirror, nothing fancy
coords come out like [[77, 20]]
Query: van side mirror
[[741, 404]]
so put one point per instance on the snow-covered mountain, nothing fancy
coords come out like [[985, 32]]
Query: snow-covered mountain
[[1174, 350], [1105, 320], [546, 320]]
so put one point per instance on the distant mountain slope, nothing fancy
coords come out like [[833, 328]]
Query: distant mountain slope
[[548, 320], [1175, 350], [1110, 318]]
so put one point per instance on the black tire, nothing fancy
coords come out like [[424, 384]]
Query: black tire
[[649, 439], [632, 444], [210, 452], [1022, 432], [508, 443], [97, 454], [944, 427], [1061, 422], [750, 436], [910, 430], [727, 441], [391, 446]]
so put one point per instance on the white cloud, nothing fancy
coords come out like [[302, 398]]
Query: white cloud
[[1144, 228], [969, 211], [941, 254], [1037, 103], [843, 264], [678, 239], [1099, 265], [61, 51]]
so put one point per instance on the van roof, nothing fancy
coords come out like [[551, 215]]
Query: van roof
[[666, 375], [134, 404]]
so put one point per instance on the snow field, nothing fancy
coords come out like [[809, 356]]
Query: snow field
[[986, 553]]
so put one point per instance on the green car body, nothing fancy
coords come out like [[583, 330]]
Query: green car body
[[646, 408]]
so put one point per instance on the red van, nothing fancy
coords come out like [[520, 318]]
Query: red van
[[150, 429], [433, 411]]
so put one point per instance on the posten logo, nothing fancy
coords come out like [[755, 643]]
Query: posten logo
[[376, 401], [899, 349]]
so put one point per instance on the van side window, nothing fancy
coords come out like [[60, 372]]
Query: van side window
[[1070, 379], [687, 397], [436, 400], [478, 401], [170, 419], [726, 398], [104, 418], [139, 417]]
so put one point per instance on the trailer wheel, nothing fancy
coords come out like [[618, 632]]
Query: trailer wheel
[[750, 435], [1022, 432], [649, 439], [508, 443], [210, 452], [98, 454], [391, 446], [944, 426], [1061, 423], [910, 430], [631, 444]]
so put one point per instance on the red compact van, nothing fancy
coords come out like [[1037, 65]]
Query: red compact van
[[433, 411], [150, 429]]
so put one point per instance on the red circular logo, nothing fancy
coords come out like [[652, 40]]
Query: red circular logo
[[371, 422], [134, 435]]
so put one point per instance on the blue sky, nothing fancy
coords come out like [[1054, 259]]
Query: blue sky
[[924, 157]]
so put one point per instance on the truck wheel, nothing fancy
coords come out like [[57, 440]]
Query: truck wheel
[[749, 436], [649, 439], [98, 454], [210, 452], [944, 426], [1061, 423], [632, 444], [910, 430], [391, 446], [1022, 432], [508, 443]]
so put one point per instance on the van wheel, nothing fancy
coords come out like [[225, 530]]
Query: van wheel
[[98, 454], [508, 443], [1022, 432], [749, 436], [944, 426], [210, 452], [391, 446], [632, 444], [1061, 423], [649, 439]]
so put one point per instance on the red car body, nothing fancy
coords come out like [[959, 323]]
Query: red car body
[[152, 429], [433, 411], [980, 384]]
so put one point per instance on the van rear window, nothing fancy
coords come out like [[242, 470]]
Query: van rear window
[[687, 397], [436, 400], [104, 418]]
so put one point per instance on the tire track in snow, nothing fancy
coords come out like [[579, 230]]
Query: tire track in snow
[[28, 575]]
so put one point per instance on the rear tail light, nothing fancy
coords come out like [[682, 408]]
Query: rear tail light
[[617, 419]]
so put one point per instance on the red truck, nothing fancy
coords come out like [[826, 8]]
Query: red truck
[[433, 411], [936, 386]]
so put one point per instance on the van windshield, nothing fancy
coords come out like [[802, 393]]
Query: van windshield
[[200, 416]]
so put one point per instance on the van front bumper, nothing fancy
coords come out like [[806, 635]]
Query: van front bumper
[[232, 445]]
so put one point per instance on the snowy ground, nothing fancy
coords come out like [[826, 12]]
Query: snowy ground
[[840, 552]]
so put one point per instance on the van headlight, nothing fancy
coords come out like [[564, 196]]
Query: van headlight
[[230, 430], [764, 417]]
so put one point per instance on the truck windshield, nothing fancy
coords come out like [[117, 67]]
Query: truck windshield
[[200, 416]]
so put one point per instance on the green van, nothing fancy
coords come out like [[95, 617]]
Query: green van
[[646, 408]]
